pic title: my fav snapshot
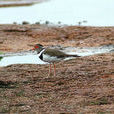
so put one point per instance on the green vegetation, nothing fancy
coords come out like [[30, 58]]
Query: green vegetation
[[20, 93], [25, 23], [3, 110], [47, 22], [38, 23], [8, 85], [100, 101], [1, 57], [103, 112]]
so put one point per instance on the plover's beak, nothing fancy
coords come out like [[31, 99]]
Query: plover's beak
[[33, 49]]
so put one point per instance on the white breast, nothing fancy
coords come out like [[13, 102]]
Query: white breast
[[50, 59], [41, 52]]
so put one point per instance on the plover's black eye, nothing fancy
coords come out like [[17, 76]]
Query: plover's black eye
[[40, 45]]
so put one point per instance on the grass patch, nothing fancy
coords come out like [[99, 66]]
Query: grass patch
[[8, 85], [4, 110], [20, 93], [101, 101], [1, 58], [102, 112]]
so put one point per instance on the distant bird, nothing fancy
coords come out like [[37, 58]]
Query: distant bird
[[51, 55]]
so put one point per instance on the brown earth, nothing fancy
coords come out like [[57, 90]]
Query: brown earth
[[82, 85]]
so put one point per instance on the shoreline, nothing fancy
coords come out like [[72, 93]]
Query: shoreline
[[74, 36], [16, 3]]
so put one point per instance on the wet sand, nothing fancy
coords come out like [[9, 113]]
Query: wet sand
[[15, 3]]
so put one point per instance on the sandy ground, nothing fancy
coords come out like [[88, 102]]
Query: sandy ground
[[82, 85]]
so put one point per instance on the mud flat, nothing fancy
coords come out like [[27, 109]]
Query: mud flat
[[81, 85], [9, 3]]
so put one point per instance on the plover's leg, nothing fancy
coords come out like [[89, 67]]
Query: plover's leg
[[54, 69], [49, 70]]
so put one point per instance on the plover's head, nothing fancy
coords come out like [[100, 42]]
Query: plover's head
[[38, 48]]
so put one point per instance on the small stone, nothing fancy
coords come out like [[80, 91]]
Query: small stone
[[25, 23]]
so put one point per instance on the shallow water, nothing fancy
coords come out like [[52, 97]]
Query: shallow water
[[95, 12], [32, 58], [26, 59], [87, 51]]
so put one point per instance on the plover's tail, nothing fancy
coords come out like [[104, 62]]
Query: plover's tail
[[74, 56]]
